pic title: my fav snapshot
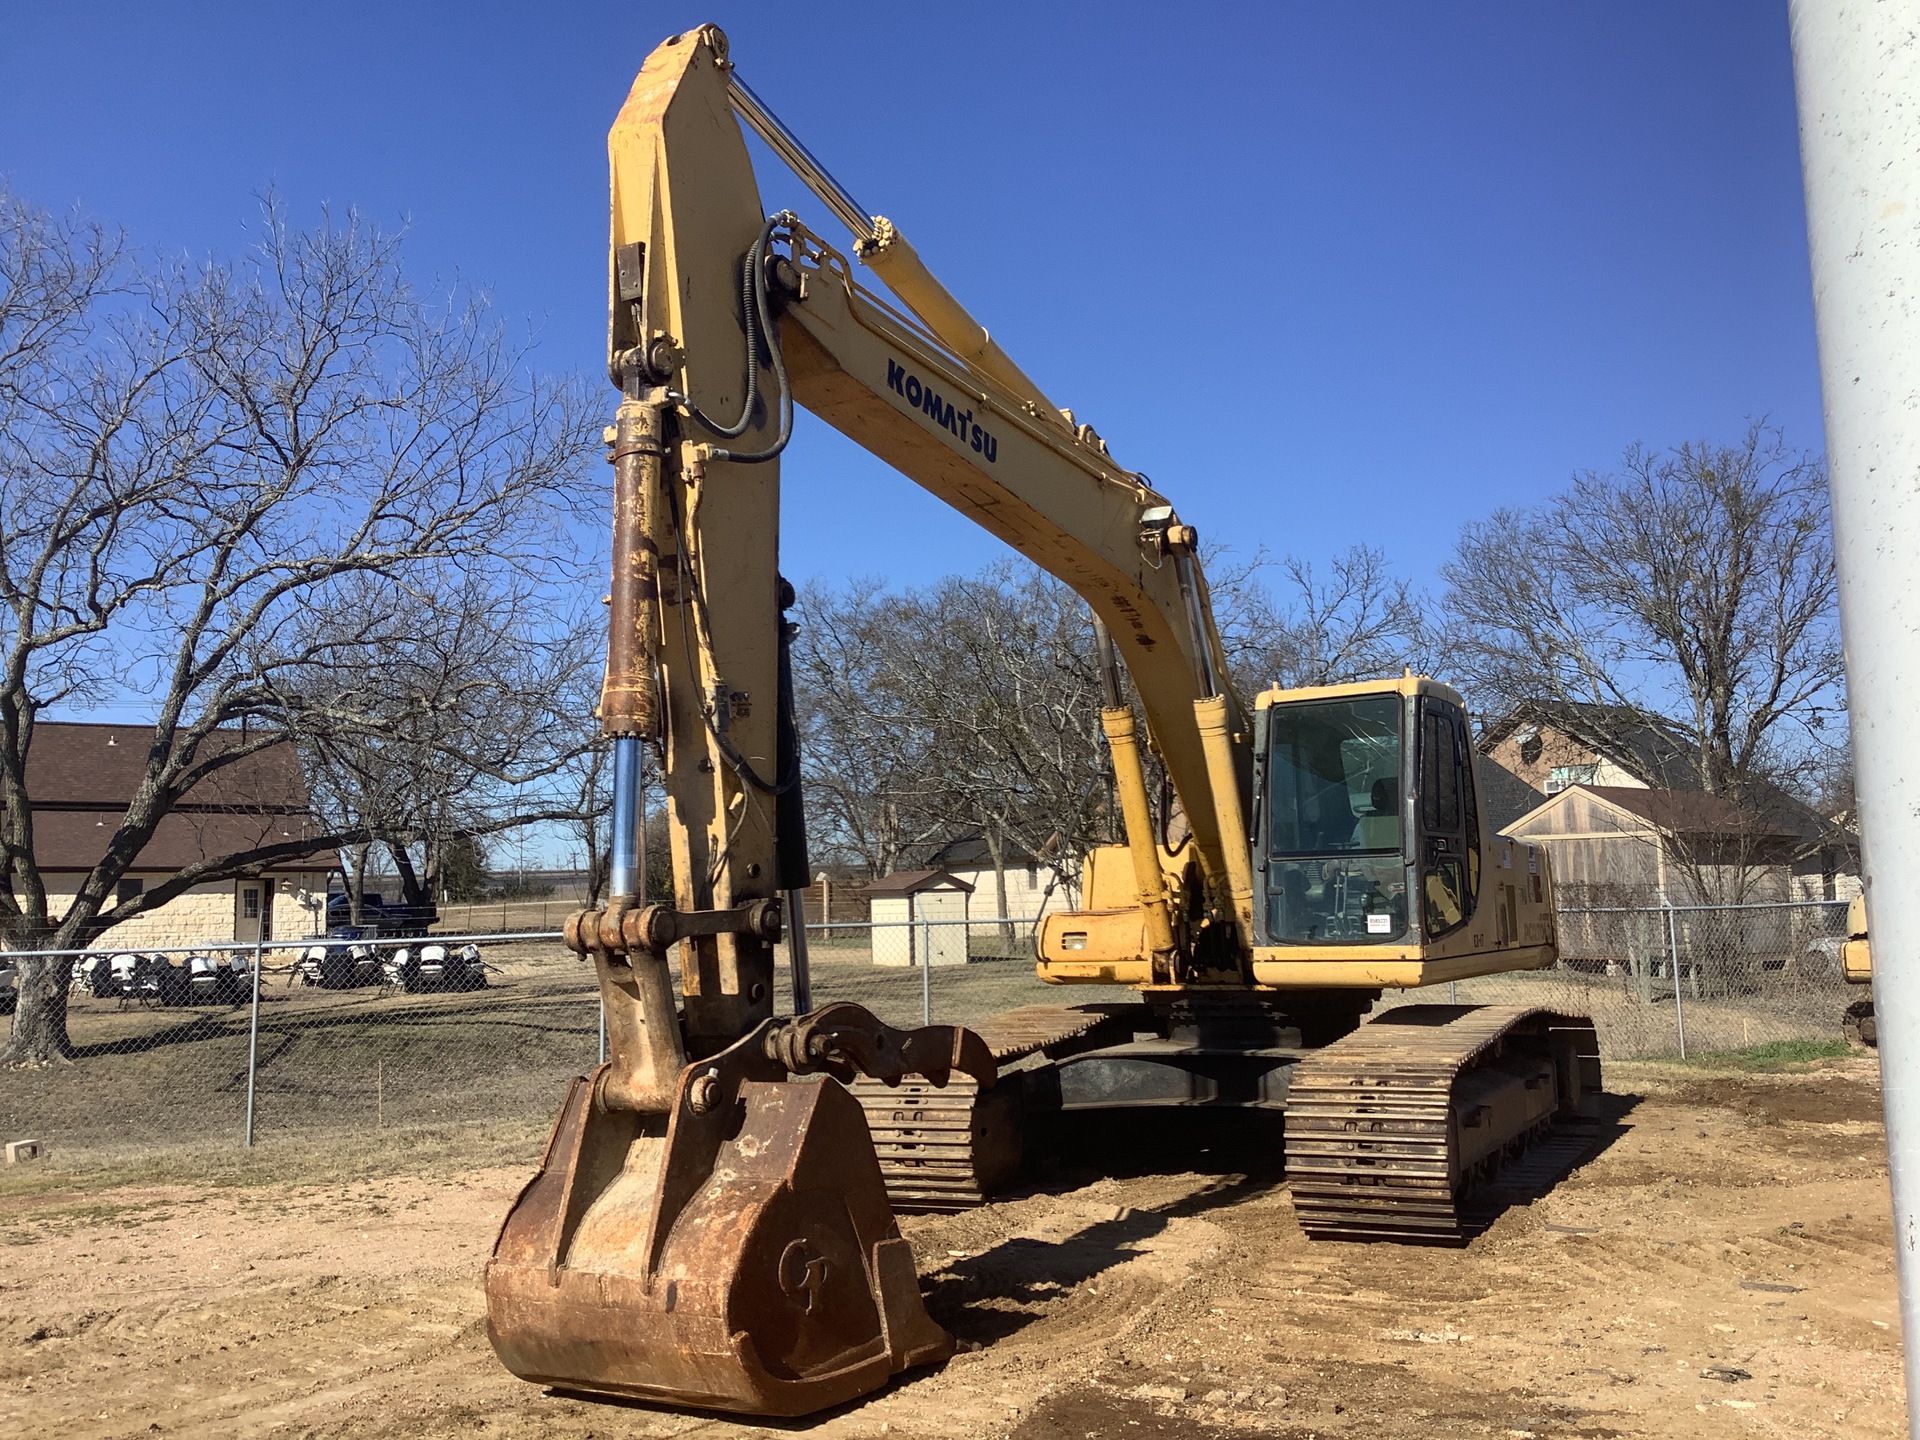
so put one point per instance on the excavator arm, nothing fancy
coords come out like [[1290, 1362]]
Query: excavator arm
[[699, 279], [704, 1230]]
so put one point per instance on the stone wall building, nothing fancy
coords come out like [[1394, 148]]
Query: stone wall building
[[81, 777]]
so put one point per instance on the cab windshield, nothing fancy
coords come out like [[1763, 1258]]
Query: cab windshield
[[1334, 867]]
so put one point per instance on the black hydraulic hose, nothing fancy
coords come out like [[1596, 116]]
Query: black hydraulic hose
[[748, 313], [791, 868], [1165, 826], [760, 334], [740, 763], [770, 337]]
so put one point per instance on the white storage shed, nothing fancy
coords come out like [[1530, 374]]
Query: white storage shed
[[902, 900]]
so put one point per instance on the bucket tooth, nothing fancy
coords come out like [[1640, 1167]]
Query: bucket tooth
[[738, 1254]]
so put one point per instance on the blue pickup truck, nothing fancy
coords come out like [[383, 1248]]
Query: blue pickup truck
[[378, 919]]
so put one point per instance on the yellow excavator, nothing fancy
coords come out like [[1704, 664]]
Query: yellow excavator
[[1857, 1021], [713, 1221]]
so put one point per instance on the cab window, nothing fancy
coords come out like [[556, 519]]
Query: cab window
[[1333, 819], [1449, 819]]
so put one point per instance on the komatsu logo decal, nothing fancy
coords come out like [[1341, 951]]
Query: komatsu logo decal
[[937, 408]]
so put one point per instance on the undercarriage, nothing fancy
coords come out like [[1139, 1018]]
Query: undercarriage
[[1391, 1125]]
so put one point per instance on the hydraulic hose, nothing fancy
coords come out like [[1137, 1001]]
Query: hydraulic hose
[[761, 334], [748, 309]]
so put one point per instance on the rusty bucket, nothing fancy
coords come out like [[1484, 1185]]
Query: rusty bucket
[[736, 1254]]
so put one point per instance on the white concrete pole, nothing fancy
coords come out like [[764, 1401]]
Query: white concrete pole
[[1856, 70]]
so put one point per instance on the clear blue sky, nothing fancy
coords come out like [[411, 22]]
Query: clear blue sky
[[1329, 272]]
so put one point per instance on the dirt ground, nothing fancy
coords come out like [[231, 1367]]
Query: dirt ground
[[1722, 1268]]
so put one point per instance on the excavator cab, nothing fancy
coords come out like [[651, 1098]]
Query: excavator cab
[[1330, 822], [1373, 859], [1372, 863], [1366, 822]]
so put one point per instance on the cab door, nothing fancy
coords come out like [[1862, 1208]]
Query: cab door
[[1449, 837]]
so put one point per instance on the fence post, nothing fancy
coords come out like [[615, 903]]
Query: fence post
[[253, 1029], [799, 969], [1679, 1010], [926, 972]]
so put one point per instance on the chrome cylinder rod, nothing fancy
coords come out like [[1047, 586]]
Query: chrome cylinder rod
[[625, 880], [1204, 671], [788, 146], [798, 963]]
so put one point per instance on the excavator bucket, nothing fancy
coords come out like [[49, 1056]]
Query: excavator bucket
[[737, 1253]]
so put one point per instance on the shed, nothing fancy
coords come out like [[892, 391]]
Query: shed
[[1614, 845], [902, 900]]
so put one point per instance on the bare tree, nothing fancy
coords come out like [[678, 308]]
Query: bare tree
[[1355, 620], [197, 460], [972, 706], [1692, 590], [473, 722], [1004, 665], [967, 707], [864, 744], [592, 776]]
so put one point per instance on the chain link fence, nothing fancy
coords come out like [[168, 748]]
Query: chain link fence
[[476, 1035], [346, 1039], [1673, 981], [843, 901], [388, 1041]]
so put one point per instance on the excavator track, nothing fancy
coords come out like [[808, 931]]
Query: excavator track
[[948, 1148], [1859, 1026], [1391, 1128]]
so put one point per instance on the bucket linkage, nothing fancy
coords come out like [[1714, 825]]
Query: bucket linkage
[[719, 1237]]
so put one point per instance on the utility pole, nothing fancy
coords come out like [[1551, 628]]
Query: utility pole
[[1856, 66]]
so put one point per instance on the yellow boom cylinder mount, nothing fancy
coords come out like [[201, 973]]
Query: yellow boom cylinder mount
[[1131, 782], [1210, 718]]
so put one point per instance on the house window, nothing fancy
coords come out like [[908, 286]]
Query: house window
[[250, 903], [1564, 775], [1529, 739], [1033, 875], [127, 889]]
